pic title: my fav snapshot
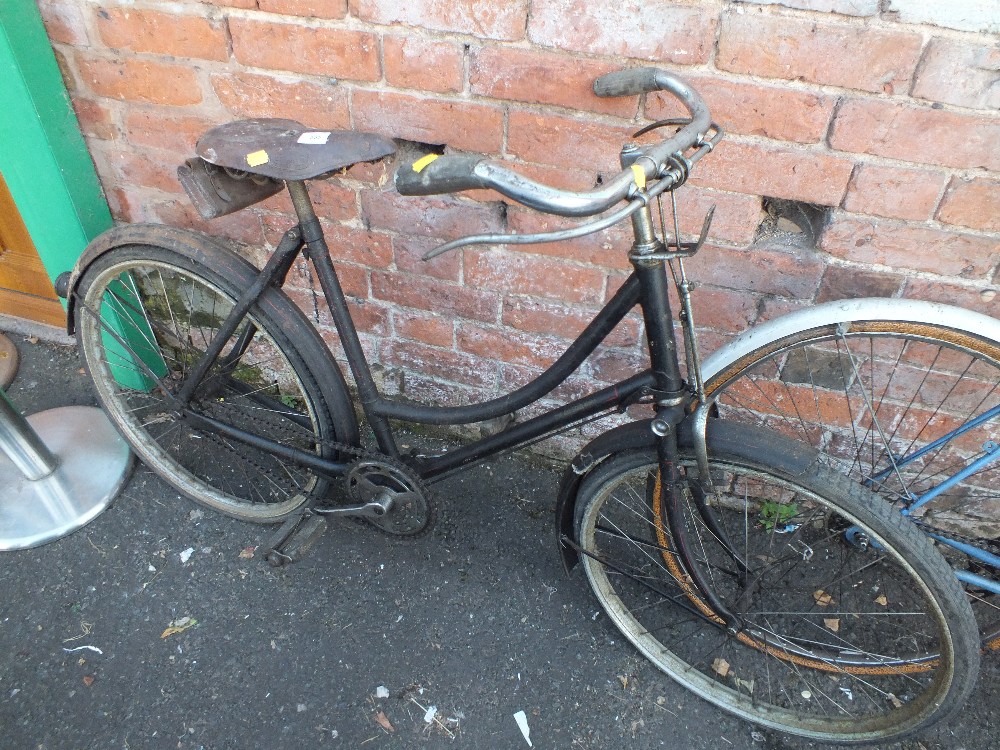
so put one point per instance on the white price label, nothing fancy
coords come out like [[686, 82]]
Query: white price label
[[315, 137]]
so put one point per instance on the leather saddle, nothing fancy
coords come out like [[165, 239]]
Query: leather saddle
[[246, 161]]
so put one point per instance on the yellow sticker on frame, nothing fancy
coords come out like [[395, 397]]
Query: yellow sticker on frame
[[257, 158]]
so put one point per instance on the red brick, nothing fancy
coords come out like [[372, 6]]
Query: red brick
[[624, 28], [723, 309], [613, 365], [844, 7], [753, 109], [353, 279], [142, 168], [409, 252], [165, 129], [517, 376], [758, 269], [441, 217], [918, 134], [608, 249], [848, 282], [246, 4], [525, 75], [345, 243], [558, 140], [419, 326], [140, 80], [985, 301], [64, 23], [519, 273], [368, 317], [894, 192], [777, 172], [554, 319], [436, 296], [332, 201], [426, 390], [972, 203], [313, 104], [735, 221], [309, 8], [459, 124], [955, 72], [162, 33], [96, 120], [306, 49], [900, 245], [503, 20], [413, 62], [242, 226], [800, 49], [437, 362], [509, 346]]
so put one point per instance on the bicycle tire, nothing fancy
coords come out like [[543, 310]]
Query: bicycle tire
[[805, 660], [163, 305], [918, 379]]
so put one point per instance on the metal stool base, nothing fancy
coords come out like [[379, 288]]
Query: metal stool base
[[93, 465]]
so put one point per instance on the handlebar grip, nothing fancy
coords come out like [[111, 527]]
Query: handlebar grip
[[444, 174], [627, 82]]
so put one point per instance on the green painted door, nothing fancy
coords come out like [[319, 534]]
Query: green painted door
[[43, 158]]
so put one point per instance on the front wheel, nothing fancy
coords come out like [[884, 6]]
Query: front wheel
[[145, 317], [851, 627], [899, 405]]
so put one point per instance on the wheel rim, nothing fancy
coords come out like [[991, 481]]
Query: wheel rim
[[849, 697], [919, 381], [163, 317]]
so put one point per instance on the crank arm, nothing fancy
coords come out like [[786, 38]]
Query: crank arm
[[373, 509]]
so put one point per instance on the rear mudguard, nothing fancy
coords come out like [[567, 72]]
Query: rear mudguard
[[200, 249], [786, 456], [191, 244]]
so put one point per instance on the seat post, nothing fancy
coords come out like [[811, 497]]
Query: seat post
[[302, 203]]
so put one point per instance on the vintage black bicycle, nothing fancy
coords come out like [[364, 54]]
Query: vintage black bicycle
[[728, 554]]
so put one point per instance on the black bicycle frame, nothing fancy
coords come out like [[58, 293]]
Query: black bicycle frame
[[647, 287], [662, 384]]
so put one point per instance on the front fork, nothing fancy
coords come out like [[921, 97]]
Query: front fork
[[649, 257]]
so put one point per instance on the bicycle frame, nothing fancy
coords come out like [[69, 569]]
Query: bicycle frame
[[991, 453], [646, 287], [662, 384]]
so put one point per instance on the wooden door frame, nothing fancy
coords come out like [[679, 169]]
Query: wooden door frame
[[43, 156]]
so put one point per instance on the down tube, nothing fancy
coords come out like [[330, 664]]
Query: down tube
[[615, 395]]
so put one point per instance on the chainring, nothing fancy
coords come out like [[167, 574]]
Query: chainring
[[411, 512]]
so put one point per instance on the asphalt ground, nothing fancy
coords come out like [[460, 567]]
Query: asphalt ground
[[370, 642]]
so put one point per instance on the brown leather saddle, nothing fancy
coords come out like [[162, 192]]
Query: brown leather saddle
[[243, 162], [287, 150]]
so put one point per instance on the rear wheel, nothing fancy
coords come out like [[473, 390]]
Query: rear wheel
[[145, 316], [852, 629]]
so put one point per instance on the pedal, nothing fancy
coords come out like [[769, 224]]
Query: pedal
[[293, 540]]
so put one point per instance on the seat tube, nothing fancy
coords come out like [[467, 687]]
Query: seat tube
[[319, 254]]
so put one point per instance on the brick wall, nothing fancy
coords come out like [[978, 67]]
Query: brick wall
[[882, 117]]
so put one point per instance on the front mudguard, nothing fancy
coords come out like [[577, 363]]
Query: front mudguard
[[785, 456], [632, 436]]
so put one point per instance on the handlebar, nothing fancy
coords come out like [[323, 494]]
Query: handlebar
[[452, 173]]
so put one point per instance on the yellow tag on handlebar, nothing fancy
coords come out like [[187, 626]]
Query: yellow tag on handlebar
[[423, 161], [639, 175]]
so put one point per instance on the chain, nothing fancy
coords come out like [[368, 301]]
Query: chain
[[357, 453]]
